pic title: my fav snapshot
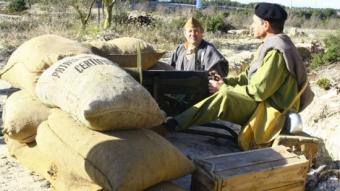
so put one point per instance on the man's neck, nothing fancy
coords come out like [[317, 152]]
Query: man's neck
[[268, 35], [188, 45]]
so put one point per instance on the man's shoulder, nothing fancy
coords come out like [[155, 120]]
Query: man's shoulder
[[179, 48], [280, 41], [207, 44], [209, 47], [272, 53]]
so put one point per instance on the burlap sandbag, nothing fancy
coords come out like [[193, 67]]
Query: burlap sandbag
[[33, 158], [31, 58], [123, 51], [129, 160], [22, 115], [18, 76], [98, 93]]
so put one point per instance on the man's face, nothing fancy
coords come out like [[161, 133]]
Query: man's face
[[258, 27], [193, 35]]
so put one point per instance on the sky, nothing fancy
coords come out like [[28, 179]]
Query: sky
[[335, 4]]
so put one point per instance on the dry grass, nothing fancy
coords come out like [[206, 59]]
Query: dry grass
[[165, 32]]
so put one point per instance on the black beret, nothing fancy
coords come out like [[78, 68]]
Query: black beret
[[270, 12]]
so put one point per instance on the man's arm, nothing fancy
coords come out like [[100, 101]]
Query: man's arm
[[240, 79], [174, 57], [269, 77], [216, 82]]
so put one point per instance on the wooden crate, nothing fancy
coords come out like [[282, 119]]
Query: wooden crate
[[263, 169]]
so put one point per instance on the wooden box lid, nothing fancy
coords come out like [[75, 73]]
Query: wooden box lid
[[262, 169], [240, 163]]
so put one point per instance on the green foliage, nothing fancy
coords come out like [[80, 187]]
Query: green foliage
[[120, 18], [332, 53], [17, 6], [120, 13], [184, 1], [332, 44], [313, 18], [321, 14], [324, 83], [177, 23], [214, 23], [317, 61]]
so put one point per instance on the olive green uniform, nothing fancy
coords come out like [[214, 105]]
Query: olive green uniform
[[237, 99]]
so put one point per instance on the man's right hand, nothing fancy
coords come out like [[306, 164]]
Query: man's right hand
[[214, 85]]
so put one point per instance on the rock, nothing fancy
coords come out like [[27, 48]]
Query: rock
[[295, 32], [304, 53], [140, 18], [239, 32]]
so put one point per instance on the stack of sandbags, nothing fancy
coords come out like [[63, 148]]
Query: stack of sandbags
[[98, 93], [92, 93], [116, 160], [82, 159], [34, 56], [23, 112], [123, 51]]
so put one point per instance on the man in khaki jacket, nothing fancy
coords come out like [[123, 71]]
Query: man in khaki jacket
[[196, 53]]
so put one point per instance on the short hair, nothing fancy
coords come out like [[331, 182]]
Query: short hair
[[277, 26]]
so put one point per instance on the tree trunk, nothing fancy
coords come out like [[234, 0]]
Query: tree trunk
[[108, 4], [29, 3], [83, 18]]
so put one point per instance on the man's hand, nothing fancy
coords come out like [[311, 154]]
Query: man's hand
[[214, 85], [215, 81]]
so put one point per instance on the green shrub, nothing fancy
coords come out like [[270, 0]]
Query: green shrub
[[324, 83], [313, 18], [317, 61], [332, 53], [192, 2], [17, 6], [120, 18], [176, 23], [214, 23]]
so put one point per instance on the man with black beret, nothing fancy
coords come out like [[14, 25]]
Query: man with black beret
[[274, 77]]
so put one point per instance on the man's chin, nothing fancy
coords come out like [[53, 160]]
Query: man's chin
[[196, 42]]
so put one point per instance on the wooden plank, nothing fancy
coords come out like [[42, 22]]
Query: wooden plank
[[280, 149], [266, 180], [291, 187], [264, 166], [241, 159]]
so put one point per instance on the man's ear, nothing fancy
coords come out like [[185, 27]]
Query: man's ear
[[267, 26]]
